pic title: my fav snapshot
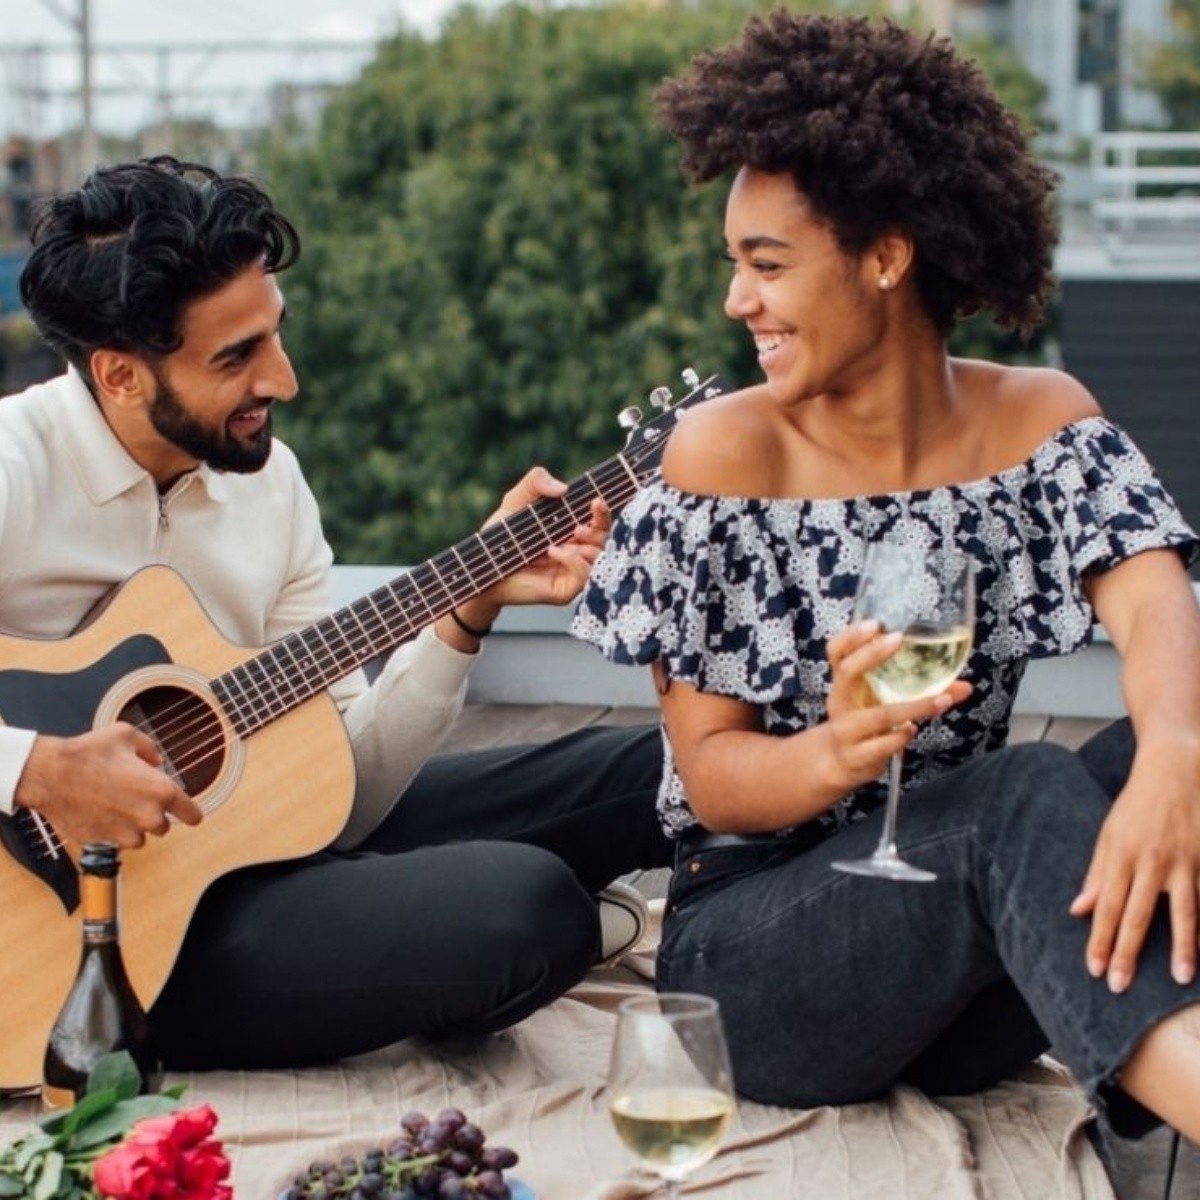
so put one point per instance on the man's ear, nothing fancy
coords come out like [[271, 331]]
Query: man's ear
[[121, 378]]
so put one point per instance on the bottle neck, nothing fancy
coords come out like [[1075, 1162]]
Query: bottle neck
[[99, 896]]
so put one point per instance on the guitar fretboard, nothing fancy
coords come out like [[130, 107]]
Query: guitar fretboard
[[304, 663]]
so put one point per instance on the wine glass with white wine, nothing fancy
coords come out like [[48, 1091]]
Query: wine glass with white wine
[[670, 1085], [930, 597]]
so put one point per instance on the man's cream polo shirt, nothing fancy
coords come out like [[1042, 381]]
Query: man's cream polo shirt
[[78, 516]]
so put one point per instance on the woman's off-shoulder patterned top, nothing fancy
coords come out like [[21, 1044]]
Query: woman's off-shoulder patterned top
[[738, 596]]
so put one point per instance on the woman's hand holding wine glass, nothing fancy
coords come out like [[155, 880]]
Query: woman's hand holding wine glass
[[923, 606]]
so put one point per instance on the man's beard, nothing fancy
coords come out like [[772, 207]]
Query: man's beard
[[212, 446]]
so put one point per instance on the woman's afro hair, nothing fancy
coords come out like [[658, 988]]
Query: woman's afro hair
[[882, 130]]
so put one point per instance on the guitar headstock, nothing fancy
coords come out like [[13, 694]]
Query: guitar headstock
[[647, 436]]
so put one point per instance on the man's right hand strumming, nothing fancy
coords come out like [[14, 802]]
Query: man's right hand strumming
[[103, 786]]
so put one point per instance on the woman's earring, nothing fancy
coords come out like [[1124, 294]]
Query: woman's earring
[[885, 282]]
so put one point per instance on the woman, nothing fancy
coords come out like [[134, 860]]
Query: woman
[[880, 193]]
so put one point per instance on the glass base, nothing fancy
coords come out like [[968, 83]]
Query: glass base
[[884, 867]]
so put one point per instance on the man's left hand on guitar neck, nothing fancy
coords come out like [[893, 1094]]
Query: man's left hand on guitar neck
[[556, 577]]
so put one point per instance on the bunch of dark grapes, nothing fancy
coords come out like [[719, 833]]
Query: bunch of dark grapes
[[443, 1159]]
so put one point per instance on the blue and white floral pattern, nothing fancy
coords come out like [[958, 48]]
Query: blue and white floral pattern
[[738, 596]]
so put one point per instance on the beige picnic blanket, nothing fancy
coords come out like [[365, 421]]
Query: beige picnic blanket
[[540, 1088]]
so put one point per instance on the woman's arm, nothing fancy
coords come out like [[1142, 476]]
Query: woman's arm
[[1150, 842], [739, 779]]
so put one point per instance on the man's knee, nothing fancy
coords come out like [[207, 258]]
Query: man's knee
[[539, 916], [537, 937], [628, 757]]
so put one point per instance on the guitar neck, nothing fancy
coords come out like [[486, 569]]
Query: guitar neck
[[306, 662]]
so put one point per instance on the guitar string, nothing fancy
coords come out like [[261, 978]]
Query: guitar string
[[378, 613], [251, 691], [518, 525], [196, 719], [334, 658], [375, 626]]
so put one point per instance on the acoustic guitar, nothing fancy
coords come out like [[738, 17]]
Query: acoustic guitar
[[251, 735]]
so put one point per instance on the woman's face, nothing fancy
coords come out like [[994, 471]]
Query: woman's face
[[815, 313]]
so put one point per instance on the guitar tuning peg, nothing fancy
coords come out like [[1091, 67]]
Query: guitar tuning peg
[[660, 397], [690, 379], [629, 418]]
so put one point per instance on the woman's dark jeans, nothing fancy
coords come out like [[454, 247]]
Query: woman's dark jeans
[[834, 986]]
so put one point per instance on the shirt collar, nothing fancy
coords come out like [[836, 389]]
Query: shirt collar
[[105, 468]]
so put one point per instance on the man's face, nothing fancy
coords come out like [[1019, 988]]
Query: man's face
[[213, 396], [211, 442]]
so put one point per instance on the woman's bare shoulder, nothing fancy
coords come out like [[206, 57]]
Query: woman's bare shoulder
[[727, 446], [1025, 406]]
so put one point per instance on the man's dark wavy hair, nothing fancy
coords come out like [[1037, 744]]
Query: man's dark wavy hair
[[882, 130], [115, 262]]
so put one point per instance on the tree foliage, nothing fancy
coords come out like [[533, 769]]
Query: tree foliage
[[1172, 69], [500, 254]]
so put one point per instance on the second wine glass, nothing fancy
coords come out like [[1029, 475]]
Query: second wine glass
[[670, 1086], [930, 598]]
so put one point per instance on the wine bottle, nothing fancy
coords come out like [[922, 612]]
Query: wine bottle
[[101, 1013]]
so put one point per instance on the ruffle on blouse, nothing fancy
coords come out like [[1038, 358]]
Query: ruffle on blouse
[[738, 595]]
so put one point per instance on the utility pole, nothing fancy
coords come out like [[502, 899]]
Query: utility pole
[[163, 56], [89, 144]]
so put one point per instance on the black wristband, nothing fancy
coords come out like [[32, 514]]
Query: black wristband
[[477, 634]]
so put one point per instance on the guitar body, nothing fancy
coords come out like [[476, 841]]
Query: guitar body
[[281, 794]]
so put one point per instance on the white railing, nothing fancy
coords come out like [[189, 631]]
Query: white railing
[[1147, 205]]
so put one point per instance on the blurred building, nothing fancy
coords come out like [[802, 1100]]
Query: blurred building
[[18, 187], [1084, 51]]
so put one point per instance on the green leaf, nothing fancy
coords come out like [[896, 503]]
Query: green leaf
[[117, 1120], [53, 1122], [150, 1106], [52, 1175], [117, 1071], [89, 1108], [30, 1148]]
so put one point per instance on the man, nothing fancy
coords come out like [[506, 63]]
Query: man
[[464, 905]]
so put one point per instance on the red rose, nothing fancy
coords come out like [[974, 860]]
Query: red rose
[[166, 1158], [184, 1127], [130, 1172], [201, 1170]]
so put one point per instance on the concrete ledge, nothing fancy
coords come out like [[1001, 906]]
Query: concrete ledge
[[531, 659]]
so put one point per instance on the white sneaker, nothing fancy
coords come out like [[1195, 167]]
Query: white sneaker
[[623, 920]]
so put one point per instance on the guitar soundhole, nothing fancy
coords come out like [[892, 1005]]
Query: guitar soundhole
[[187, 731]]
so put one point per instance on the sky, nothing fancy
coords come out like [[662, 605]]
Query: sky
[[239, 77]]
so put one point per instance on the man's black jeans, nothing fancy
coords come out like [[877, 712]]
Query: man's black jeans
[[467, 909]]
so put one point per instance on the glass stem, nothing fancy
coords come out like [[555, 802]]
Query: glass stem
[[887, 839]]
